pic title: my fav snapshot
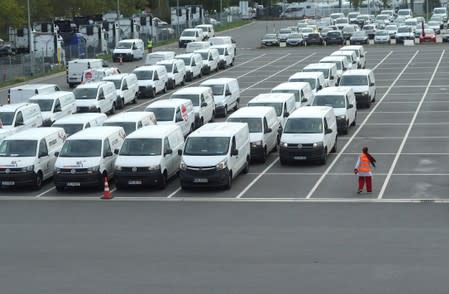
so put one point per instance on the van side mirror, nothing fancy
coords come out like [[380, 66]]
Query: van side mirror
[[101, 97], [125, 88], [320, 87], [178, 119], [108, 154], [350, 106], [18, 123], [168, 151], [193, 64], [176, 71], [179, 152], [57, 109], [372, 84], [134, 47], [286, 114], [156, 79], [268, 130], [304, 100], [204, 104], [228, 93], [328, 131], [332, 77], [43, 154], [56, 154], [116, 151], [234, 152]]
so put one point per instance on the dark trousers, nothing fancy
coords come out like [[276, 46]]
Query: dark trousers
[[368, 181]]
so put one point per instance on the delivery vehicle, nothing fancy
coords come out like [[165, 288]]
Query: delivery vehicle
[[176, 71], [80, 121], [193, 46], [96, 97], [208, 30], [152, 79], [202, 100], [55, 105], [283, 103], [193, 63], [301, 90], [315, 79], [126, 87], [190, 35], [129, 50], [76, 68], [226, 55], [18, 117], [131, 121], [155, 57], [21, 94], [363, 83], [210, 60], [226, 93]]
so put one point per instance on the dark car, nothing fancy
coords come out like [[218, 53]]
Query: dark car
[[359, 37], [270, 40], [314, 39], [335, 37]]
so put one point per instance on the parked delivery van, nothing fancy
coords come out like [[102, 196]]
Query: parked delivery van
[[55, 105]]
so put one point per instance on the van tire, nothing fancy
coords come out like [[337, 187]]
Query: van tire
[[346, 128], [246, 168], [71, 85], [183, 82], [283, 161], [163, 182], [228, 185], [237, 104], [38, 179], [334, 149], [323, 158], [225, 111], [112, 111], [213, 116], [134, 101], [59, 188], [153, 93], [263, 159], [165, 88]]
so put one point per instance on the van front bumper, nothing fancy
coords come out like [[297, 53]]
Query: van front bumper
[[145, 92], [304, 153], [13, 178], [78, 179], [203, 177], [257, 151], [362, 98], [124, 56], [81, 109], [137, 178]]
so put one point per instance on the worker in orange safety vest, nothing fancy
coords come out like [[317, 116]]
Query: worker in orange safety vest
[[363, 168]]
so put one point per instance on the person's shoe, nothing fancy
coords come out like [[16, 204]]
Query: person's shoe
[[359, 191]]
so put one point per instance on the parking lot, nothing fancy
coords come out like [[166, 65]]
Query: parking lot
[[405, 130]]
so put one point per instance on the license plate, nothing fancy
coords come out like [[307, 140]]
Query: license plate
[[299, 157], [136, 182], [200, 180], [8, 183], [73, 184]]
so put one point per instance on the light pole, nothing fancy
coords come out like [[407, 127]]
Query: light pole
[[177, 18], [30, 37], [221, 9], [427, 10]]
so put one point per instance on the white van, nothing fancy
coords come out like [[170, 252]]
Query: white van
[[342, 100], [152, 79], [174, 111], [351, 57], [28, 158], [363, 83], [340, 61], [98, 74], [155, 57], [193, 46], [21, 94], [96, 97], [131, 121], [223, 40], [87, 157], [202, 100], [226, 55], [176, 71], [149, 157], [128, 50], [215, 154], [263, 127], [283, 104], [208, 30], [18, 117], [80, 121], [226, 93], [309, 134], [329, 71], [77, 67], [360, 53], [315, 79], [210, 59], [190, 35], [55, 105], [301, 90], [194, 65], [126, 87]]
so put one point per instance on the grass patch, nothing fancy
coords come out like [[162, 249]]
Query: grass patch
[[23, 79], [231, 25], [104, 56]]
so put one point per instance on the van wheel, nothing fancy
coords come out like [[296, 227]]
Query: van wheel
[[201, 122], [237, 104], [283, 161], [71, 85], [183, 82], [213, 116], [59, 188], [228, 185], [264, 155], [163, 182], [165, 88], [334, 149], [135, 99], [246, 168], [152, 93], [38, 181], [323, 158], [112, 109], [355, 119], [346, 129], [225, 111], [374, 98]]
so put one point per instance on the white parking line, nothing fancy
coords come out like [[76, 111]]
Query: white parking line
[[382, 61], [174, 193], [45, 192], [401, 147], [329, 168]]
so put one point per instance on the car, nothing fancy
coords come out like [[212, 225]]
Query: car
[[405, 33], [427, 36], [335, 16], [445, 37], [435, 25], [363, 19], [370, 30], [440, 11], [295, 39], [341, 22], [382, 36], [325, 30], [314, 39], [270, 40], [392, 30], [283, 34], [334, 37], [352, 17], [359, 37], [7, 50], [306, 31], [349, 30]]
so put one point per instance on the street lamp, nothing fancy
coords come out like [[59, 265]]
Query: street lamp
[[30, 37]]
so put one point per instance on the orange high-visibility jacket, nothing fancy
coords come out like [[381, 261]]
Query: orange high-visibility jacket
[[364, 164]]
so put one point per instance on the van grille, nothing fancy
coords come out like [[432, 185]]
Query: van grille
[[73, 171], [300, 146]]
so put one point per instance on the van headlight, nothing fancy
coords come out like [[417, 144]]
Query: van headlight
[[256, 144], [365, 93], [317, 144], [222, 165], [93, 169], [28, 168], [154, 167], [284, 144], [118, 167], [341, 117], [93, 107], [57, 170], [182, 166]]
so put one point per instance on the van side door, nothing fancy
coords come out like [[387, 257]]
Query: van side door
[[327, 137], [108, 158], [43, 160]]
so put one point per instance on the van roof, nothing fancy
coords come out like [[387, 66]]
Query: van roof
[[169, 61], [352, 47], [86, 60], [291, 86], [153, 131], [319, 65], [95, 133], [272, 97], [130, 40], [33, 86], [332, 58], [53, 95], [93, 84], [162, 53], [353, 72], [218, 81], [12, 107], [204, 50], [168, 103], [333, 91], [115, 77], [218, 129], [79, 118], [191, 29], [35, 133], [149, 67], [192, 90], [185, 55], [255, 111], [311, 111], [128, 116], [342, 52], [310, 74]]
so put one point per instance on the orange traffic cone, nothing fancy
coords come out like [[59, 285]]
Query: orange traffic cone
[[107, 194], [121, 60]]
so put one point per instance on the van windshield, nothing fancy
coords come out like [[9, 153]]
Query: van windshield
[[192, 97], [124, 45], [254, 124], [186, 60], [6, 118], [129, 127], [335, 101], [221, 51], [323, 70], [337, 63], [141, 147], [81, 148], [18, 148], [163, 114], [276, 106], [44, 104], [144, 74], [216, 89], [85, 93], [117, 83], [311, 82], [70, 129], [354, 80], [295, 92], [304, 126], [207, 146], [168, 67], [188, 33], [204, 55]]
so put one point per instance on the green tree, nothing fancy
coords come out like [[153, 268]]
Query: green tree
[[356, 3], [11, 14]]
